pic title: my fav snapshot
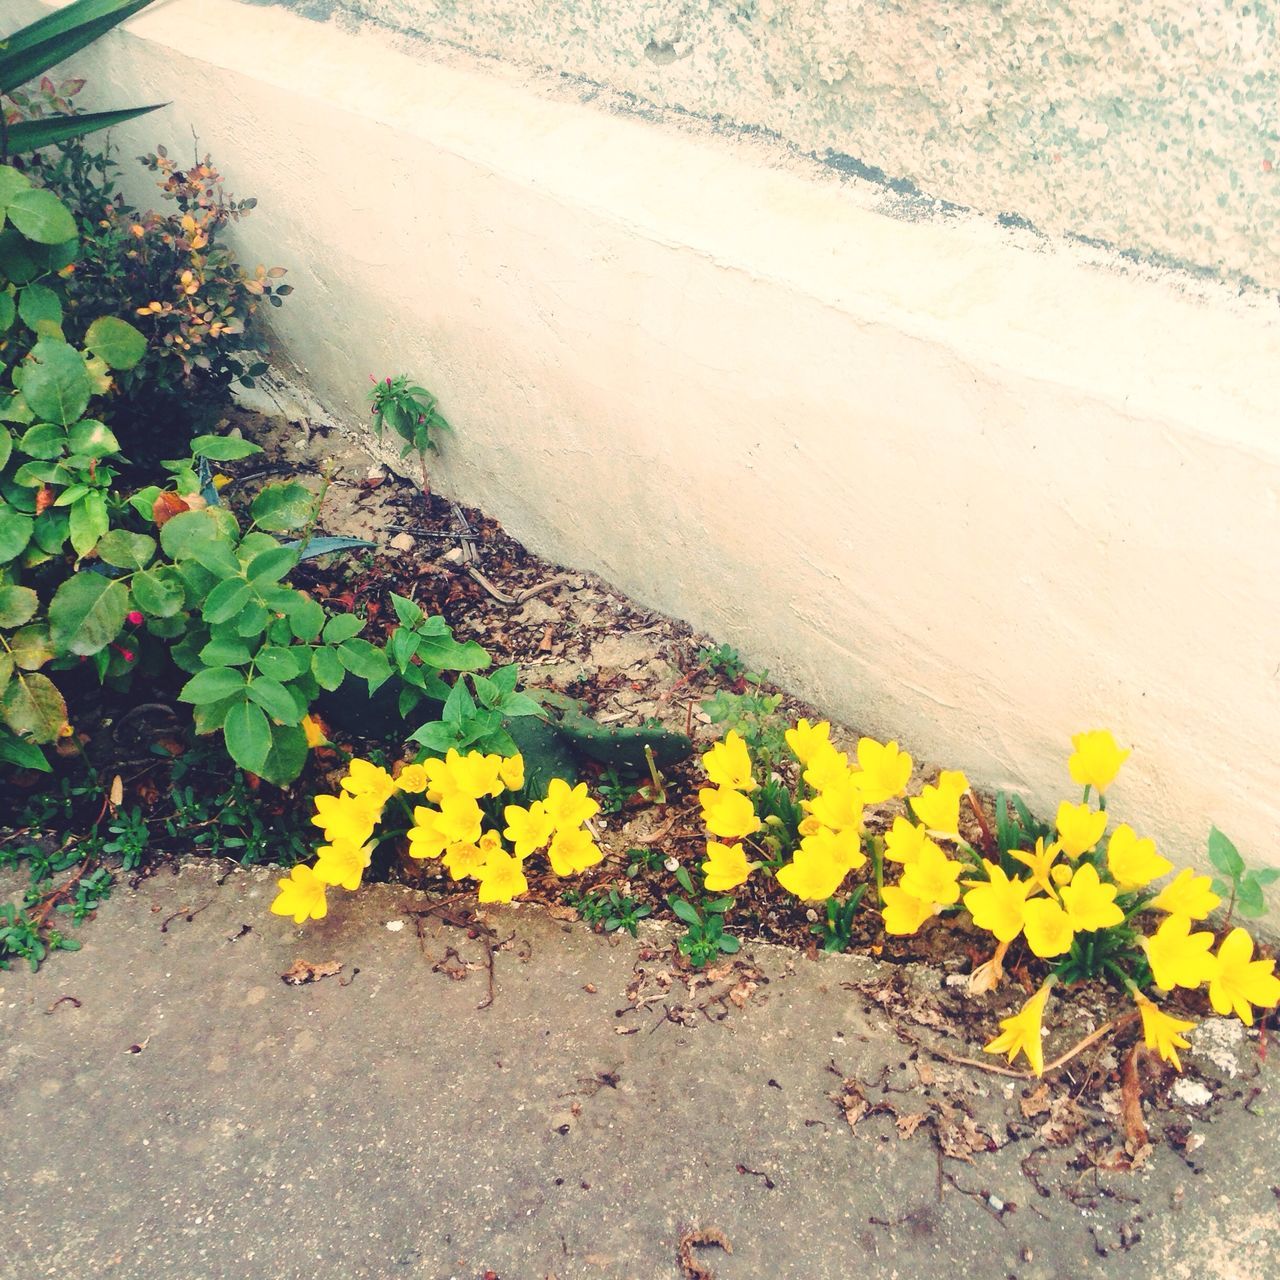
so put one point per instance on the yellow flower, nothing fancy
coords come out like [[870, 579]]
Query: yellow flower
[[839, 804], [809, 826], [904, 841], [938, 805], [998, 906], [412, 779], [476, 774], [347, 817], [1048, 928], [1089, 903], [903, 914], [806, 739], [569, 806], [1096, 759], [1134, 863], [885, 770], [301, 896], [1021, 1033], [573, 851], [527, 829], [932, 877], [726, 866], [511, 772], [1162, 1031], [501, 878], [826, 766], [460, 820], [316, 736], [1239, 981], [1080, 828], [1178, 957], [1060, 873], [842, 847], [426, 839], [1187, 894], [343, 863], [811, 876], [728, 763], [371, 781], [728, 814], [1040, 863], [463, 860]]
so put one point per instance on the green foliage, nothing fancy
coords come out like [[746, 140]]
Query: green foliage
[[614, 792], [1244, 886], [610, 911], [410, 411], [33, 49], [172, 273], [704, 937], [835, 929], [724, 660], [754, 716]]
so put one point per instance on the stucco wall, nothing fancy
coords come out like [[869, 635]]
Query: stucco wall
[[958, 485], [1150, 125]]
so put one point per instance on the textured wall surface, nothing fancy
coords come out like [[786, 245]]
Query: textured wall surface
[[1150, 125]]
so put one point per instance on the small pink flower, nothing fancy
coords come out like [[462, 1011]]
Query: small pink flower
[[388, 381], [134, 618], [127, 654]]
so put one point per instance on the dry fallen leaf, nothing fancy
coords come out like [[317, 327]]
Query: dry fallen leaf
[[690, 1267], [303, 971]]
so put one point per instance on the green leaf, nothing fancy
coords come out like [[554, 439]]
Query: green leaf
[[1266, 875], [685, 910], [342, 627], [248, 735], [89, 521], [272, 565], [728, 943], [50, 533], [31, 135], [46, 440], [115, 342], [288, 755], [56, 382], [226, 600], [33, 708], [1224, 855], [225, 652], [56, 36], [219, 559], [41, 216], [30, 648], [365, 660], [223, 448], [281, 663], [15, 532], [1249, 899], [306, 617], [409, 613], [7, 309], [252, 621], [24, 755], [180, 536], [38, 304], [89, 438], [125, 550], [158, 592], [327, 669], [447, 654], [213, 685], [87, 613], [17, 605], [277, 701], [282, 507]]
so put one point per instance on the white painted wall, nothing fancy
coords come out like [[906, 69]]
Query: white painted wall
[[960, 487]]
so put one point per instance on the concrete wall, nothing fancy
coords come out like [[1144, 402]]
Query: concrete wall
[[1151, 125], [958, 484]]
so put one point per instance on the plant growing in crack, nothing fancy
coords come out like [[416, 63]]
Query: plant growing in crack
[[411, 412]]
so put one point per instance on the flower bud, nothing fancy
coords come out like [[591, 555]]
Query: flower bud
[[134, 617]]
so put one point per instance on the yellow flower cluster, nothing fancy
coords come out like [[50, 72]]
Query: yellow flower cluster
[[451, 826], [454, 830]]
